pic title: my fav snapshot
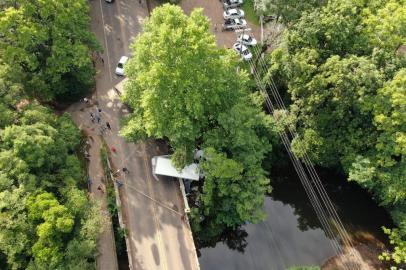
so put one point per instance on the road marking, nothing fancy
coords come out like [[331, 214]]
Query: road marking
[[105, 42], [160, 244]]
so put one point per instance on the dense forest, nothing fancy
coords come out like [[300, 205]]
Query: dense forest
[[342, 70], [47, 220]]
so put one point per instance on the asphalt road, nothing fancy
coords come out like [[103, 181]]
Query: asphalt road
[[152, 209]]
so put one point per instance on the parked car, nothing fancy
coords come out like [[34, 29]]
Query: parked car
[[232, 24], [109, 1], [242, 50], [233, 13], [232, 3], [247, 40], [120, 66]]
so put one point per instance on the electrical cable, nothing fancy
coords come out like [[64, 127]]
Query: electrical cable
[[302, 176], [314, 199], [313, 174], [311, 170]]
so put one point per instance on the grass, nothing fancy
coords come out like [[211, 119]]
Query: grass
[[250, 13]]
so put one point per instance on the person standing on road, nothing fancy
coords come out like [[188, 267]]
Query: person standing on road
[[92, 117], [98, 115], [108, 125], [125, 170], [113, 149], [119, 183]]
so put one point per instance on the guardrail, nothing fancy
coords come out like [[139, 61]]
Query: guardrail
[[120, 215]]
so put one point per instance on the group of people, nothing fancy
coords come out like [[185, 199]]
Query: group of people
[[96, 117]]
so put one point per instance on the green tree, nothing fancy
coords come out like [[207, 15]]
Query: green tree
[[385, 23], [10, 93], [286, 10], [383, 171], [334, 110], [178, 80], [14, 172], [344, 73], [53, 224], [183, 88], [16, 232], [48, 44]]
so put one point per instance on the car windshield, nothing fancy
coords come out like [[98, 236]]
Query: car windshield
[[120, 65], [248, 38]]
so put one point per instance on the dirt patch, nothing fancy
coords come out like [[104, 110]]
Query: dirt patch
[[214, 10], [348, 260]]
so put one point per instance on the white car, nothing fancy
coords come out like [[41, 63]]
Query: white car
[[233, 13], [247, 40], [232, 24], [232, 3], [242, 50], [120, 65]]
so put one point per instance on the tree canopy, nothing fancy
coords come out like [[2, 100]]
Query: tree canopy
[[178, 80], [43, 214], [344, 72], [186, 90], [48, 45], [46, 221], [286, 10]]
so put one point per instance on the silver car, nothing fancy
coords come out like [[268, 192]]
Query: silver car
[[232, 24], [234, 13], [242, 50], [232, 3], [247, 40]]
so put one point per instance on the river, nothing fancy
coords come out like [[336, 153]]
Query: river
[[291, 235]]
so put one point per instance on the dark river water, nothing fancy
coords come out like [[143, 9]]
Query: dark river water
[[292, 234]]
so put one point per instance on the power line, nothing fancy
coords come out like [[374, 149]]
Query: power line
[[313, 175], [302, 176], [309, 166], [317, 195]]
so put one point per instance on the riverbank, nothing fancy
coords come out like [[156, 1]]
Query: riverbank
[[367, 253]]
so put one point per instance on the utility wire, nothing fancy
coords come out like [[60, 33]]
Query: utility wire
[[311, 170], [322, 194], [302, 176]]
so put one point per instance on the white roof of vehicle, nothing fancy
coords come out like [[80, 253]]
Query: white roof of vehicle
[[123, 59], [162, 165], [233, 10]]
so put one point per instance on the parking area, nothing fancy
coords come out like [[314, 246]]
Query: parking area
[[214, 10]]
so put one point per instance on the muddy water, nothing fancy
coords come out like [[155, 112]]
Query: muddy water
[[292, 234]]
